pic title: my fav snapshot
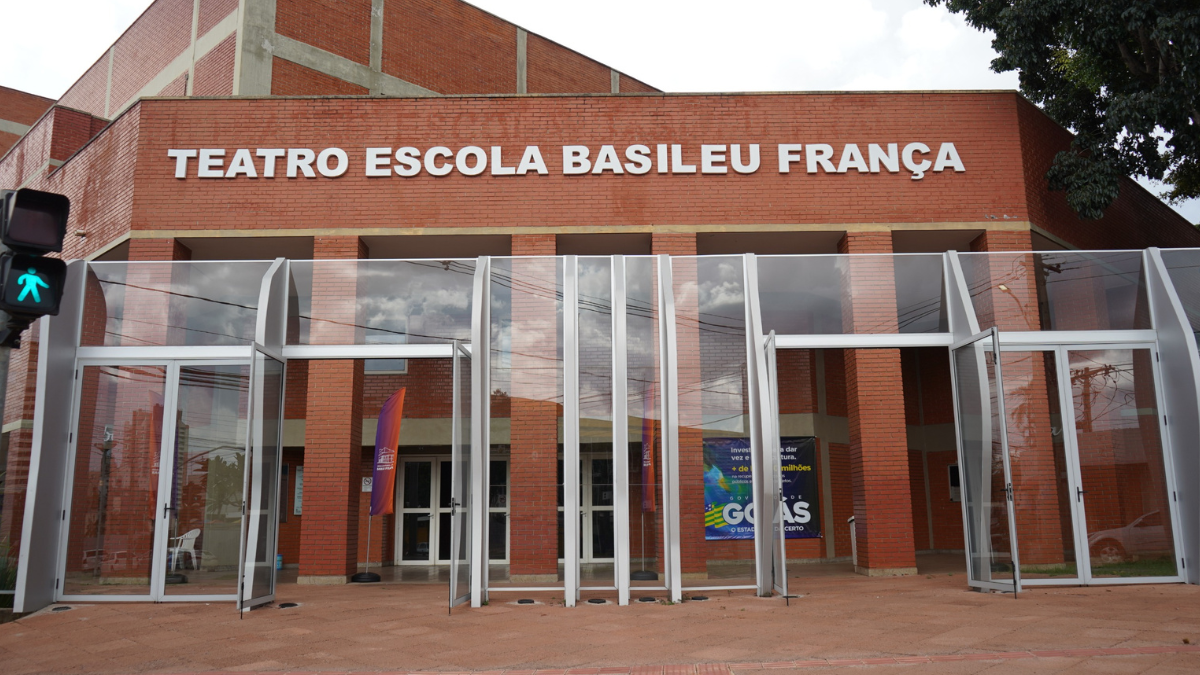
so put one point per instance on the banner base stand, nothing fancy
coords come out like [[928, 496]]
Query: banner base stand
[[365, 578]]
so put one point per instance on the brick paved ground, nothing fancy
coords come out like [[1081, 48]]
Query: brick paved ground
[[926, 624]]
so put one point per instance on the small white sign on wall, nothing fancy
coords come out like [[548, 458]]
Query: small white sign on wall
[[367, 483], [296, 503]]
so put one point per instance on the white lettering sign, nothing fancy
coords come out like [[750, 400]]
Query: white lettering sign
[[577, 160]]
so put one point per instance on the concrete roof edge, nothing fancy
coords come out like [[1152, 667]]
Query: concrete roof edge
[[664, 94]]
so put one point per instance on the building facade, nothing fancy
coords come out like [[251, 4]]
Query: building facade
[[861, 305]]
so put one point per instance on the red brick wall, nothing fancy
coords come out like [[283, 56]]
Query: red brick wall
[[211, 13], [159, 35], [470, 52], [89, 91], [22, 107], [71, 130], [214, 71], [977, 122], [289, 531], [7, 140], [554, 69], [291, 79], [342, 27], [1136, 220], [178, 87], [99, 180], [632, 86], [333, 433]]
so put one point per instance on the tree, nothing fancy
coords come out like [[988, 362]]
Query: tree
[[1123, 75]]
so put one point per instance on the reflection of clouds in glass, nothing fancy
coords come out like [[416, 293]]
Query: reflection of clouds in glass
[[427, 300], [595, 338], [180, 303]]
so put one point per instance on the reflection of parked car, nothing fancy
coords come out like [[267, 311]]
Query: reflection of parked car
[[1148, 535], [91, 559]]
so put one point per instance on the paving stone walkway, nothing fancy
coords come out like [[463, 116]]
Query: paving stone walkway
[[924, 624]]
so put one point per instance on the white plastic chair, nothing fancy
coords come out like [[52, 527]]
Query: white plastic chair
[[186, 543]]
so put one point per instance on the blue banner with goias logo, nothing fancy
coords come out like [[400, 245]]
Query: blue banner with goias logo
[[729, 511]]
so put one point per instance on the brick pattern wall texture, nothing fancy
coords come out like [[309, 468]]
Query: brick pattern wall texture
[[474, 52], [1144, 218], [22, 107], [341, 27], [159, 35], [177, 87], [333, 433], [292, 79], [554, 69], [211, 13], [988, 148], [214, 70], [89, 91], [878, 439]]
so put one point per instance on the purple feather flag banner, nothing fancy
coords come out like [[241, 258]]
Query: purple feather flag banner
[[387, 438]]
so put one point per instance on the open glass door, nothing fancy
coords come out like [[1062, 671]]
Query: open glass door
[[985, 474], [772, 451], [261, 517], [460, 479]]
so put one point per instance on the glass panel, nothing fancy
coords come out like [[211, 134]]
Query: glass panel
[[417, 485], [498, 484], [445, 495], [396, 302], [114, 500], [715, 476], [171, 303], [596, 410], [262, 503], [444, 537], [602, 535], [989, 549], [602, 482], [497, 536], [1125, 494], [812, 295], [526, 409], [1059, 290], [206, 493], [461, 479], [414, 542], [644, 386], [1183, 266], [1042, 494]]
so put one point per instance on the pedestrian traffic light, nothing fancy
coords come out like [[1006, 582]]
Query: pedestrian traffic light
[[32, 223], [32, 286]]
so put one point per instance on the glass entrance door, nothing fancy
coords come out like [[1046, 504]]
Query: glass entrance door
[[261, 483], [1092, 490], [774, 464], [159, 481], [460, 480], [986, 478], [1122, 490]]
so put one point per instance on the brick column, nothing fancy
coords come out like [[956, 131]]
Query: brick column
[[333, 429], [535, 408], [1040, 499], [875, 402]]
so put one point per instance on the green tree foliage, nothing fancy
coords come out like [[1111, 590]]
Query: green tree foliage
[[1123, 75]]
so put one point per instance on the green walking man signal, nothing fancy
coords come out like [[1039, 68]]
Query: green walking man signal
[[30, 282], [32, 223]]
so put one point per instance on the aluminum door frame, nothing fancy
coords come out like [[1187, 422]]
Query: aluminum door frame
[[992, 335], [159, 548], [1071, 451]]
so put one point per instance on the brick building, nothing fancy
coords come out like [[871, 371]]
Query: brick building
[[777, 291]]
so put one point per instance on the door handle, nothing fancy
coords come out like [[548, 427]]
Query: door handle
[[1079, 493], [166, 508]]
